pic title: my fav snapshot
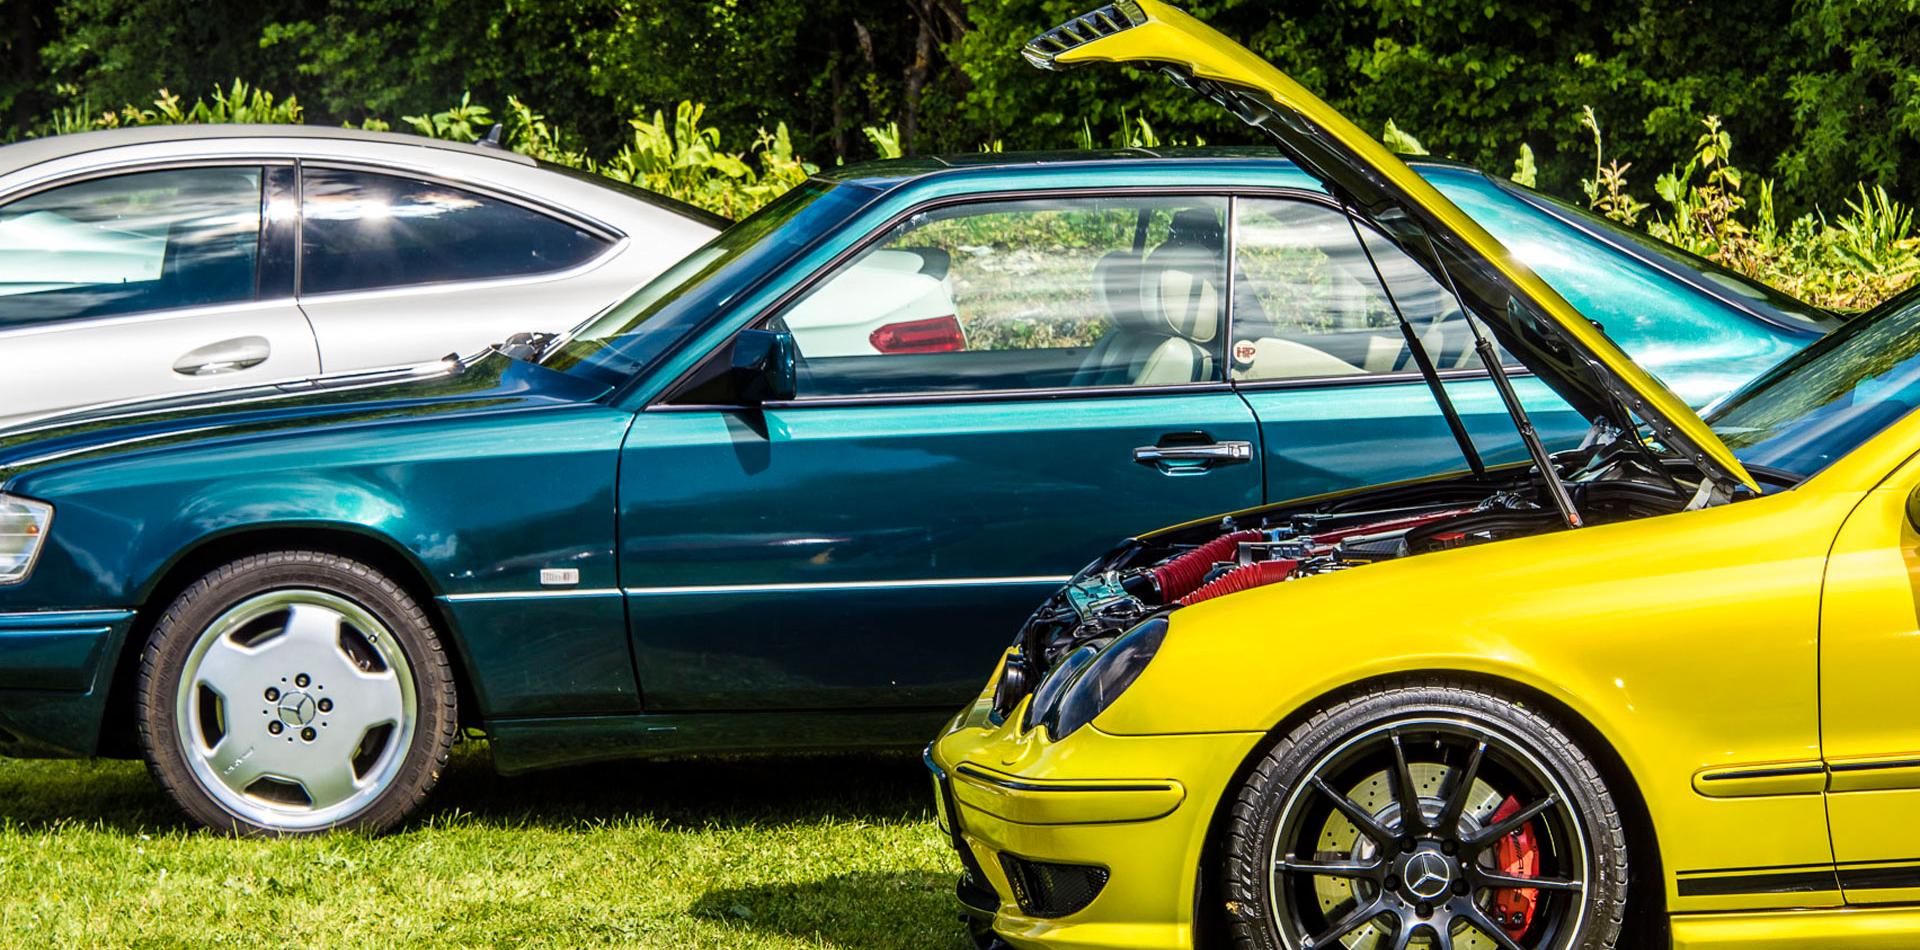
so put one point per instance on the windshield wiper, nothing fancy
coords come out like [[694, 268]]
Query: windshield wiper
[[527, 347]]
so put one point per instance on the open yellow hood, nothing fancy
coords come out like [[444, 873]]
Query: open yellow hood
[[1362, 171]]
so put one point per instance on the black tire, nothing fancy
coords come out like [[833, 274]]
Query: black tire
[[409, 768], [1419, 734]]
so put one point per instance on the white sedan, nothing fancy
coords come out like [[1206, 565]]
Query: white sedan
[[162, 260]]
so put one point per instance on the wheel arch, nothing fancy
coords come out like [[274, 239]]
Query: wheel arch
[[1646, 917], [354, 541]]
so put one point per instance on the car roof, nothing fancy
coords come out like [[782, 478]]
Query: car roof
[[32, 152], [898, 171]]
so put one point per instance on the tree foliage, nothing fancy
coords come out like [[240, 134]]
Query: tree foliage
[[1828, 89], [1826, 92]]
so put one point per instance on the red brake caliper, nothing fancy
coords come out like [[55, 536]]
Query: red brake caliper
[[1517, 854]]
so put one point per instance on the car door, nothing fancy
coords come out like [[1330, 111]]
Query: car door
[[398, 269], [1320, 355], [147, 283], [1869, 709], [990, 394]]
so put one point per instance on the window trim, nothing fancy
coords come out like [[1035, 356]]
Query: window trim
[[665, 401], [141, 168], [615, 240], [600, 228], [1351, 379]]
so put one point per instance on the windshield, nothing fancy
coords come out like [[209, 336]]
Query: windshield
[[628, 336], [1711, 278], [1830, 397]]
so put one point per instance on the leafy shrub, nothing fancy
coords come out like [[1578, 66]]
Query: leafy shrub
[[242, 104], [685, 160], [1849, 263]]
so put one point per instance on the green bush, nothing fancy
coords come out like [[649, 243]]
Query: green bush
[[1848, 263]]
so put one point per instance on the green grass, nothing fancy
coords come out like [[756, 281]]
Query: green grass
[[827, 852]]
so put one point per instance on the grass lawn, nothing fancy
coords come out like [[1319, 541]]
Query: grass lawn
[[808, 852]]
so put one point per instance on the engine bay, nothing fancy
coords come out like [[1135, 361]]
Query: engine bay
[[1609, 479]]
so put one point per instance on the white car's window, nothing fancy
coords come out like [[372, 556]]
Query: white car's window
[[1020, 295], [133, 243], [363, 231], [1309, 305]]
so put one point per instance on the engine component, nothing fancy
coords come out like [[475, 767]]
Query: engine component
[[1244, 577], [1183, 574]]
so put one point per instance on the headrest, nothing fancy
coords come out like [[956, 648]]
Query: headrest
[[1116, 288], [1181, 285], [1195, 226]]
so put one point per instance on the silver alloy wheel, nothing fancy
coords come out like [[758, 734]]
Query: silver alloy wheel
[[295, 709]]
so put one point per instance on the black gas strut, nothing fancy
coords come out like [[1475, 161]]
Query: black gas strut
[[1490, 358], [1420, 355]]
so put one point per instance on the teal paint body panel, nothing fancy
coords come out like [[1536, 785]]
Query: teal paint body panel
[[52, 676], [805, 561], [56, 650], [964, 513], [478, 478]]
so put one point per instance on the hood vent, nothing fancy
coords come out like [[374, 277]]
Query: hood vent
[[1081, 30]]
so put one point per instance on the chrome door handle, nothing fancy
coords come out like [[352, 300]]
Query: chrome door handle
[[226, 356], [1185, 456]]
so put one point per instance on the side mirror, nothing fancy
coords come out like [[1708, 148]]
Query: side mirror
[[755, 367], [764, 366], [1913, 508]]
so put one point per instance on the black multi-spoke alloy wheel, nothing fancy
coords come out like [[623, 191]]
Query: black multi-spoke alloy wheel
[[1436, 816]]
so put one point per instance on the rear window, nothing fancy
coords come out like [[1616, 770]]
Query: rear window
[[365, 231]]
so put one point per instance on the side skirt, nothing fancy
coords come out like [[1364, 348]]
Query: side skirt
[[1852, 928], [524, 745]]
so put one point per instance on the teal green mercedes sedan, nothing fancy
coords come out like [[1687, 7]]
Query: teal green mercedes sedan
[[788, 495]]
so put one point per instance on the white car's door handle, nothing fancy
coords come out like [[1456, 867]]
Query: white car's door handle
[[226, 356]]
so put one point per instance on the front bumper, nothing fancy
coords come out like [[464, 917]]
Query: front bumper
[[55, 670], [1130, 812]]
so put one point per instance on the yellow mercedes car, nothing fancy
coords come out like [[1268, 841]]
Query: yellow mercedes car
[[1660, 688]]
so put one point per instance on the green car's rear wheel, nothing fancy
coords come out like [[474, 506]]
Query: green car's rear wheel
[[1435, 816], [295, 692]]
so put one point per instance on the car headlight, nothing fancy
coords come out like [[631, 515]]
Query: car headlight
[[1089, 679], [23, 530]]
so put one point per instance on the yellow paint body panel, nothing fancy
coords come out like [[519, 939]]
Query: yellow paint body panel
[[1148, 901], [1870, 682], [1855, 929], [1024, 801]]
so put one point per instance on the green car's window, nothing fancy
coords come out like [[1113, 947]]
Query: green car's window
[[130, 244], [1830, 397], [1050, 293], [1309, 305]]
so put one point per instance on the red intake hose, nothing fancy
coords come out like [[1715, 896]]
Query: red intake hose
[[1244, 577], [1179, 577]]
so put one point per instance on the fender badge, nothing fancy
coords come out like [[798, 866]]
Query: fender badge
[[559, 576]]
